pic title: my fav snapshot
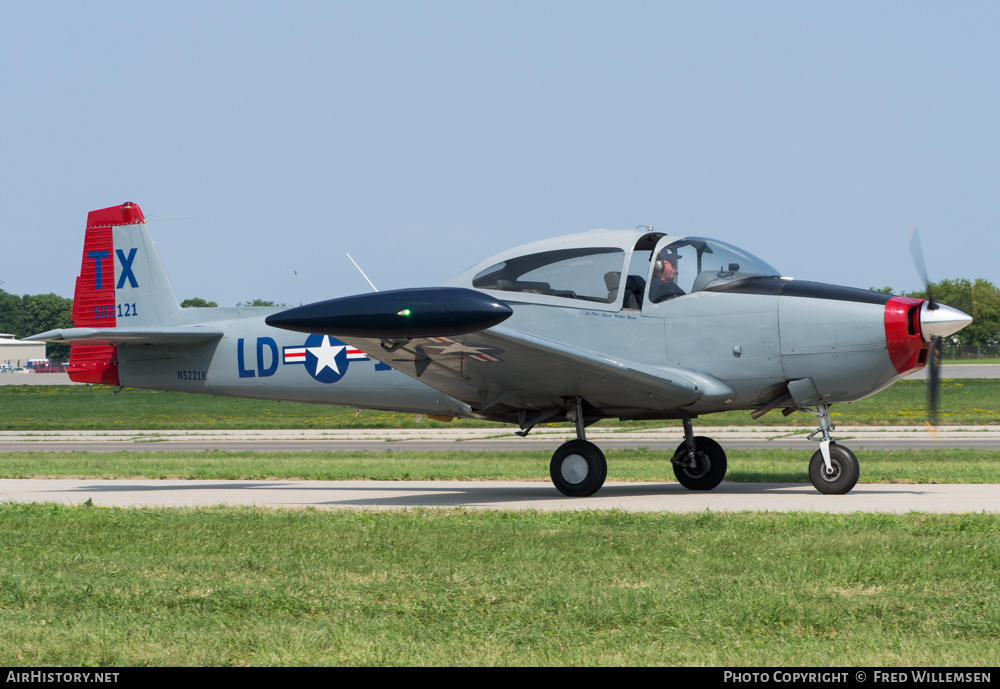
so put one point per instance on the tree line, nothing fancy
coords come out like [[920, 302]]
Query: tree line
[[36, 313]]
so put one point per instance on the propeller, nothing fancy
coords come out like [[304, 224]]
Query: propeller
[[918, 260], [934, 373]]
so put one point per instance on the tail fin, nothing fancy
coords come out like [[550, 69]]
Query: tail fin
[[122, 282]]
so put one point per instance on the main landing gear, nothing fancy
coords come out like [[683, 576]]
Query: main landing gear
[[700, 462], [578, 468]]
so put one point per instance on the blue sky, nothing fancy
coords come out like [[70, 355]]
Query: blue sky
[[266, 140]]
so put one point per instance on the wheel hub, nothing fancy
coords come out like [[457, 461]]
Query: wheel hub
[[833, 473], [698, 466], [574, 469]]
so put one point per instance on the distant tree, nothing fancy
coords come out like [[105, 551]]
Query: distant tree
[[197, 302], [260, 302], [10, 313], [883, 290], [41, 312]]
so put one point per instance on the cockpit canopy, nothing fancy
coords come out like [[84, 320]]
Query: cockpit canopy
[[589, 273], [610, 270], [702, 264]]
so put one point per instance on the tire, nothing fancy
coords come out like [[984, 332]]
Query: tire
[[846, 471], [711, 469], [578, 469]]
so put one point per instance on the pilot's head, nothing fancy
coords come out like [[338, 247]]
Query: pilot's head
[[666, 264]]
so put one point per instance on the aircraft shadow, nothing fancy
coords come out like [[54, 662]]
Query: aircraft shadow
[[459, 493]]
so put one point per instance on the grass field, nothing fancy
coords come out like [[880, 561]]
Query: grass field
[[31, 407], [770, 466], [85, 586]]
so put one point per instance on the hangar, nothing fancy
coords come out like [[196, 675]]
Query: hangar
[[15, 352]]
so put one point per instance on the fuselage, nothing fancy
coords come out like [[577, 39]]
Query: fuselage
[[708, 326], [830, 343]]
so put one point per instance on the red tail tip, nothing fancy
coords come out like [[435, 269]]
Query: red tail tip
[[126, 214]]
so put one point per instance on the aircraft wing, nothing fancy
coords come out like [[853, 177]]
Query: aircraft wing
[[450, 339], [97, 336], [506, 367]]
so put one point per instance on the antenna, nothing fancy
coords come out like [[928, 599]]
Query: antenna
[[362, 273]]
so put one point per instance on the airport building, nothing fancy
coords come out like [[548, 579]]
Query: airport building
[[14, 353]]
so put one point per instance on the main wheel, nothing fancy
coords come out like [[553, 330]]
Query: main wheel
[[844, 475], [710, 464], [578, 468]]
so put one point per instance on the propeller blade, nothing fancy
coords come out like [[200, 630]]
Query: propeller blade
[[934, 381], [918, 260]]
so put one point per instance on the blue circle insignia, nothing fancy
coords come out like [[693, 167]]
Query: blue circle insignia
[[326, 358]]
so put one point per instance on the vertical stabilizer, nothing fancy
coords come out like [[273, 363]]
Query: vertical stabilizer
[[122, 283]]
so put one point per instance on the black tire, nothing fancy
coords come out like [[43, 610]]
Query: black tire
[[578, 468], [711, 469], [846, 471]]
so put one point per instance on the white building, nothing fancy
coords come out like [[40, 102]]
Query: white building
[[17, 352]]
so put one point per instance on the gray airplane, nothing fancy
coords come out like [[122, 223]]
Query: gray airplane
[[627, 324]]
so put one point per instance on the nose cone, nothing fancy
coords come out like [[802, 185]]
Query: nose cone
[[941, 321]]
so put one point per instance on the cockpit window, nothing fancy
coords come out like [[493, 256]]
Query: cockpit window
[[589, 274], [694, 264]]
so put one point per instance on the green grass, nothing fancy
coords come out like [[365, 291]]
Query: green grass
[[770, 466], [86, 586], [31, 407]]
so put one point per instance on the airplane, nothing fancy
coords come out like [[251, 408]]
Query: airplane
[[607, 324]]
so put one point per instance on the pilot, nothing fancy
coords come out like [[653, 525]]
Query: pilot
[[664, 283]]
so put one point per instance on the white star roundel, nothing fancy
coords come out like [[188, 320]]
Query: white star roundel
[[326, 358]]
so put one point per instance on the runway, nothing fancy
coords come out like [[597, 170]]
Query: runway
[[492, 439]]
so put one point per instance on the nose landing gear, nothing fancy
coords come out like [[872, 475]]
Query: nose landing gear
[[833, 469]]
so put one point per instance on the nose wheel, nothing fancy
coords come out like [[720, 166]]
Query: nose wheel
[[833, 469], [840, 476]]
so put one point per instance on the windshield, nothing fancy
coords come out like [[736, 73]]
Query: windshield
[[694, 264]]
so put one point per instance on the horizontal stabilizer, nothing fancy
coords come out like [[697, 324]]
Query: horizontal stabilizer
[[407, 313], [183, 335]]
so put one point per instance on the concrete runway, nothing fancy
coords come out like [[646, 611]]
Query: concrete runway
[[492, 439]]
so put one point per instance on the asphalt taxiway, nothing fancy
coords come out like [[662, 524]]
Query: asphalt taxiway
[[492, 439]]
